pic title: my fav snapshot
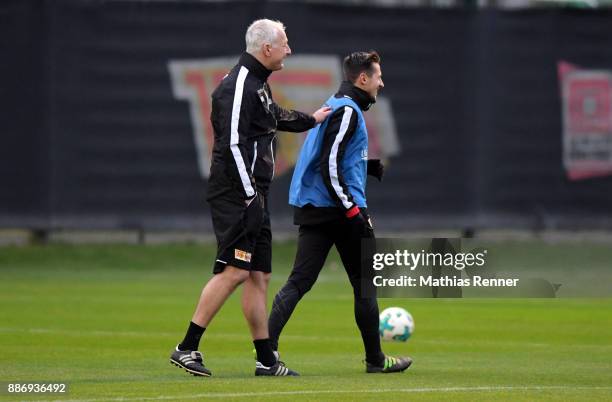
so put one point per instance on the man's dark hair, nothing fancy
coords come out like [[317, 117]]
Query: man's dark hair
[[359, 62]]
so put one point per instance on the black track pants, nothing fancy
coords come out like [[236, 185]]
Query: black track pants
[[314, 244]]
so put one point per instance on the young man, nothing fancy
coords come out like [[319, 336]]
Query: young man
[[328, 193], [245, 119]]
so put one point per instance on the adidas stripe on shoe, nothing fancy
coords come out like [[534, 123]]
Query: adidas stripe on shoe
[[277, 370], [390, 365], [191, 361]]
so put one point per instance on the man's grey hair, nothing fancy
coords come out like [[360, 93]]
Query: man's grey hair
[[261, 32]]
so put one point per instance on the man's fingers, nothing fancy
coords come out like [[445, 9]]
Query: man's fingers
[[322, 113]]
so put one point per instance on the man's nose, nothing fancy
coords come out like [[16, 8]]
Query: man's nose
[[288, 50]]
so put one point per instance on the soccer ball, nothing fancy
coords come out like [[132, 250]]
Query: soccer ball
[[396, 324]]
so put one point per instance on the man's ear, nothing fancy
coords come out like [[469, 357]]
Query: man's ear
[[363, 78], [266, 49]]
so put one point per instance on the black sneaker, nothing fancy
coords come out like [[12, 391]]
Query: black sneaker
[[278, 369], [190, 360], [390, 365]]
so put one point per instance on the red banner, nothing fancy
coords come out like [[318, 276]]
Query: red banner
[[587, 121]]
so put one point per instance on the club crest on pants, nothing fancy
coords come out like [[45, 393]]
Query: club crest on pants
[[242, 255]]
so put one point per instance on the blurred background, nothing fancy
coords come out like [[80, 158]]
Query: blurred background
[[496, 115]]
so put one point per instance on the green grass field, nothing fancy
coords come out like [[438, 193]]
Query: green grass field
[[105, 318]]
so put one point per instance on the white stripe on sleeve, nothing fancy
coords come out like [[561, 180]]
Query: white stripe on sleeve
[[244, 176], [254, 157], [333, 167], [272, 154]]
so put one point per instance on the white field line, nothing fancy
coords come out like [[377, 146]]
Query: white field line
[[361, 391], [313, 338]]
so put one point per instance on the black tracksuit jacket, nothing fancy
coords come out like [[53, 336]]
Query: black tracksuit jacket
[[245, 119]]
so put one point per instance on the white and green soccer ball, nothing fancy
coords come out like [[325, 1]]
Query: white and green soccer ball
[[396, 324]]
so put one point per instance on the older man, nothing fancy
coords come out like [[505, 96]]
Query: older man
[[245, 119]]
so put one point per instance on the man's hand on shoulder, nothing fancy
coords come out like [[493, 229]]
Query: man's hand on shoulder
[[321, 114]]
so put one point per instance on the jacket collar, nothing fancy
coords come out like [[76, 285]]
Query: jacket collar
[[361, 97], [254, 66]]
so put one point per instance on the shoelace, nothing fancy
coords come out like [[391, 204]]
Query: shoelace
[[197, 356]]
